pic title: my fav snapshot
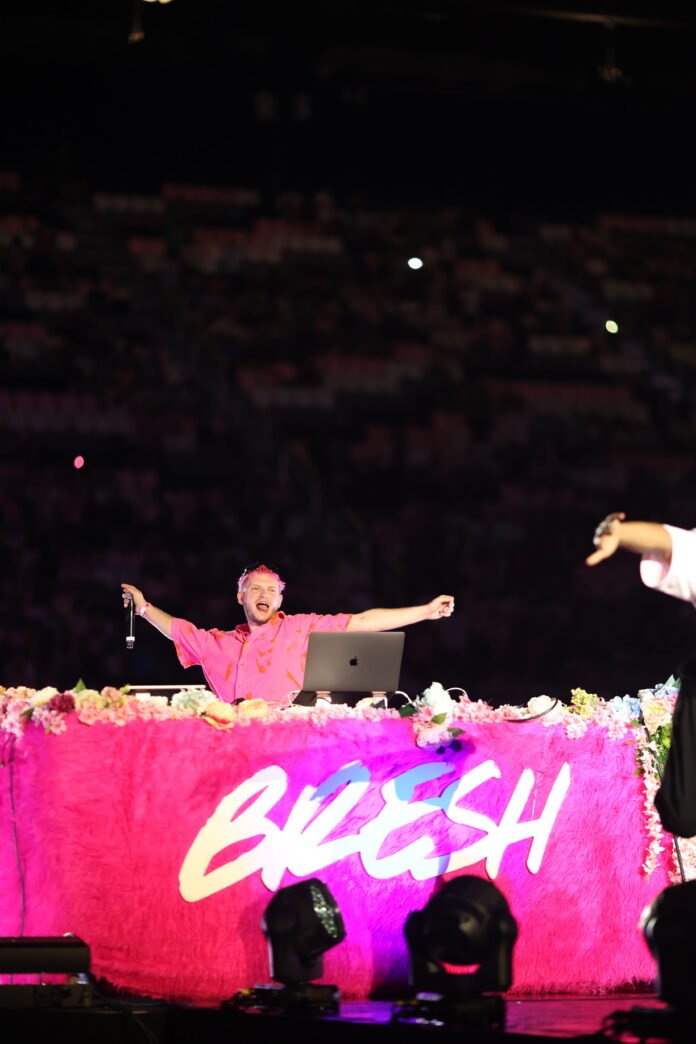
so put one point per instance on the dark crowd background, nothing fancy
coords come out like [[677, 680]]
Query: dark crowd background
[[206, 218]]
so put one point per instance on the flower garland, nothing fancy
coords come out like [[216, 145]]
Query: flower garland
[[22, 706], [436, 715]]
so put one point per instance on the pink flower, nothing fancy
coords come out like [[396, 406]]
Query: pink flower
[[429, 735], [16, 717], [52, 721]]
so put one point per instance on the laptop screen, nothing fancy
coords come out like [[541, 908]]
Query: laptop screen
[[351, 664]]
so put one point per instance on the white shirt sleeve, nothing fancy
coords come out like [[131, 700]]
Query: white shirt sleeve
[[677, 579]]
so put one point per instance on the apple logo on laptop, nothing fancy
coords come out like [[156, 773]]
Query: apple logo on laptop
[[353, 661]]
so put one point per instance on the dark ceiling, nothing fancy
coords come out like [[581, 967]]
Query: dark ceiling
[[434, 43], [449, 90]]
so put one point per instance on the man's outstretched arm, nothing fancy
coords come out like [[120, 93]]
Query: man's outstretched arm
[[389, 619], [643, 538], [157, 617]]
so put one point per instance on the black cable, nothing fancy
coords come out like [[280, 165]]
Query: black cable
[[147, 1034], [125, 1008], [677, 851], [533, 717], [8, 761]]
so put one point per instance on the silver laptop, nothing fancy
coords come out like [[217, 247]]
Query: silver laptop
[[351, 664]]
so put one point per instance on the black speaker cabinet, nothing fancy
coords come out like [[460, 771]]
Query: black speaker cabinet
[[63, 954]]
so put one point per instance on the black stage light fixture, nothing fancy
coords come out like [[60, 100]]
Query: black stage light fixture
[[300, 923], [668, 925], [45, 955], [669, 928], [64, 954], [460, 956]]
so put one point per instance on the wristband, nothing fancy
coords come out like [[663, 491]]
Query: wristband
[[141, 611]]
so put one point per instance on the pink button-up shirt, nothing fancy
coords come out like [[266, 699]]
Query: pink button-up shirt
[[266, 663]]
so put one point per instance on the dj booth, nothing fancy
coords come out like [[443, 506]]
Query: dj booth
[[160, 841]]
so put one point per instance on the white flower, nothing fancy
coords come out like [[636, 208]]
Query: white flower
[[42, 696], [152, 701], [546, 705], [437, 699]]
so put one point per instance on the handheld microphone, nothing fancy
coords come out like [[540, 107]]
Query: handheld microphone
[[130, 637]]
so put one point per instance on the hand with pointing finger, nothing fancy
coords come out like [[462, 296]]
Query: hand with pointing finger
[[606, 538]]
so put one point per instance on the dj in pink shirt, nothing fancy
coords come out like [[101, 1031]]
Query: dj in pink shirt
[[266, 663], [264, 658]]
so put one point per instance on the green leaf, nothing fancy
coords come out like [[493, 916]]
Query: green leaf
[[439, 719], [407, 711], [456, 732], [79, 685]]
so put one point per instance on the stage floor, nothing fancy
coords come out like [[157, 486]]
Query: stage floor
[[531, 1020]]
